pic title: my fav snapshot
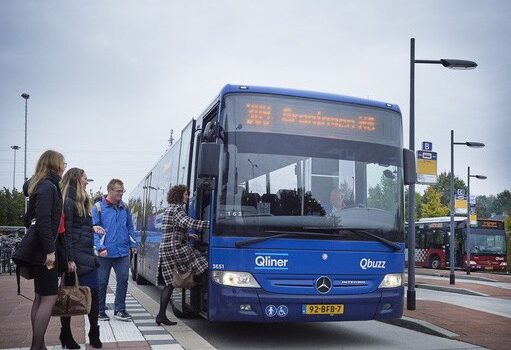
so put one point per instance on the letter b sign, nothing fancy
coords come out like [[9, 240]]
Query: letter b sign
[[427, 146]]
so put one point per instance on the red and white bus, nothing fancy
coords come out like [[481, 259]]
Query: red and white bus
[[487, 244]]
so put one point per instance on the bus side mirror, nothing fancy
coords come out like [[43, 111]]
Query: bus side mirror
[[209, 156], [410, 172]]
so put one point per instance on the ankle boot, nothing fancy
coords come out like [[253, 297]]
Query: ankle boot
[[164, 320], [66, 339], [94, 340]]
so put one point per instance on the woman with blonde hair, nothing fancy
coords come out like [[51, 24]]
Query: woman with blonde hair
[[44, 211], [78, 242]]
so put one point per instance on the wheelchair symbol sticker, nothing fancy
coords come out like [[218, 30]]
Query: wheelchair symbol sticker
[[270, 310], [282, 311]]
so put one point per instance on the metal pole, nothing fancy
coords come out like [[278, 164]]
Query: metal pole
[[451, 240], [468, 221], [14, 171], [26, 97], [410, 293], [25, 165]]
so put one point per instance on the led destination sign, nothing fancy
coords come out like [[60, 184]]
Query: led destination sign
[[261, 115], [491, 224], [317, 118]]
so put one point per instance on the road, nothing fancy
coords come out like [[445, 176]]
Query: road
[[335, 335]]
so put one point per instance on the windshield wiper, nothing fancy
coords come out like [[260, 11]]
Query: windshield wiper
[[279, 234], [360, 232]]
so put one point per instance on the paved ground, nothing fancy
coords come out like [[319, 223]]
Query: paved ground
[[469, 325], [463, 323], [141, 334]]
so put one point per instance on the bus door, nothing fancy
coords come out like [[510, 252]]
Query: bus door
[[140, 261], [194, 301], [205, 190]]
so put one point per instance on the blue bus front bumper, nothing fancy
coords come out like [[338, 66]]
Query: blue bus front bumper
[[257, 305]]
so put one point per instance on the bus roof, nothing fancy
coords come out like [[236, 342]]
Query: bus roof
[[441, 219], [230, 88]]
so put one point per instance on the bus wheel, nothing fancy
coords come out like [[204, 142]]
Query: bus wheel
[[181, 314], [133, 267], [134, 272], [434, 262]]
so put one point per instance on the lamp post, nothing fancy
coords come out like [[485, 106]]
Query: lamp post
[[15, 148], [25, 97], [452, 248], [451, 64], [480, 177]]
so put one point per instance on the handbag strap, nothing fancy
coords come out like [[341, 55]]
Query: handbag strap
[[62, 278]]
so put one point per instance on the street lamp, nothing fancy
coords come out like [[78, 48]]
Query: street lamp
[[451, 64], [452, 248], [15, 148], [480, 177], [25, 97]]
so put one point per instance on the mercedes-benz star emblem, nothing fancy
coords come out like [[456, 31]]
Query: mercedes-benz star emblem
[[323, 284]]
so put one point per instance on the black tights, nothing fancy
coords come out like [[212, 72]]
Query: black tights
[[40, 317], [166, 294], [93, 314]]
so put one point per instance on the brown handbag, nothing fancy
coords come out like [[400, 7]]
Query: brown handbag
[[72, 300], [182, 279]]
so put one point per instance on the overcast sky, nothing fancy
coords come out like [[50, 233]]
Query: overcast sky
[[109, 79]]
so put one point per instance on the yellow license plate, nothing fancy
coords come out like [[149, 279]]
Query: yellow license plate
[[488, 268], [323, 309]]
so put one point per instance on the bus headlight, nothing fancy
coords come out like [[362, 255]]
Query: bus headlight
[[235, 279], [392, 280]]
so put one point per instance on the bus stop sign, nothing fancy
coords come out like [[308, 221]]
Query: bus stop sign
[[426, 167]]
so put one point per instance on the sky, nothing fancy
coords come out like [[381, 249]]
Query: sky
[[108, 80]]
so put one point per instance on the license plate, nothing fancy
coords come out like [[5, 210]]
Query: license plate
[[488, 268], [323, 309]]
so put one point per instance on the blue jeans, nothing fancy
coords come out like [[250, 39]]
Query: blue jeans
[[121, 267]]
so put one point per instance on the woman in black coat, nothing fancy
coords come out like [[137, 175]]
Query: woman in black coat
[[78, 241], [43, 216]]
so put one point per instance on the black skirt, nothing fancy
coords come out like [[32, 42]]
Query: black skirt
[[46, 282]]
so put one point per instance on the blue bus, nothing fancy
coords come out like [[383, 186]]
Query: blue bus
[[304, 192]]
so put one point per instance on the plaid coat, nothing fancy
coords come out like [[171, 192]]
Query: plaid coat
[[174, 252]]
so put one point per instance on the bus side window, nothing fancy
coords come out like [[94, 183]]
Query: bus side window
[[437, 239]]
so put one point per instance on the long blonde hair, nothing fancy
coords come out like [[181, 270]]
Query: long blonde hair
[[49, 161], [72, 178]]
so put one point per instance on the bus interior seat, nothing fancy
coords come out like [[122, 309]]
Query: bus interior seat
[[289, 201], [250, 199], [273, 200]]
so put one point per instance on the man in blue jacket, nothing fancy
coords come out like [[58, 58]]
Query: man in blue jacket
[[112, 214]]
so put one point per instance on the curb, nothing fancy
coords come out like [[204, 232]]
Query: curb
[[450, 289], [184, 335], [466, 277], [421, 326]]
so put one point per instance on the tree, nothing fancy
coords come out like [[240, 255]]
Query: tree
[[488, 205], [418, 205], [383, 195], [485, 206], [443, 186], [431, 204], [503, 203], [12, 207]]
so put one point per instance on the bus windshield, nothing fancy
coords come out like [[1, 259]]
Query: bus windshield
[[483, 241], [303, 178]]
